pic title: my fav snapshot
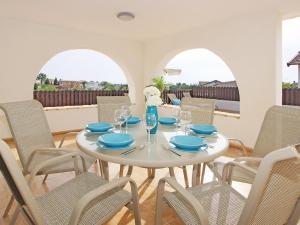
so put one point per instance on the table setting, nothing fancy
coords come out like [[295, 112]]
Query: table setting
[[151, 141]]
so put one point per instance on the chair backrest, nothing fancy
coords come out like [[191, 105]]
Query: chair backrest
[[187, 94], [107, 106], [17, 183], [280, 128], [276, 190], [172, 96], [202, 109], [29, 127]]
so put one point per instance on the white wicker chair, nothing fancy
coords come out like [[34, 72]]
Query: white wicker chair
[[33, 138], [274, 198], [108, 104], [202, 111], [187, 94], [280, 128], [86, 199]]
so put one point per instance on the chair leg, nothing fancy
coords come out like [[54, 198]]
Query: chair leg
[[121, 172], [15, 215], [45, 178], [185, 175], [9, 205]]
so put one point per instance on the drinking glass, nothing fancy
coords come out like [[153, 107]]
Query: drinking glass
[[176, 115], [127, 114], [150, 122], [119, 118], [185, 120]]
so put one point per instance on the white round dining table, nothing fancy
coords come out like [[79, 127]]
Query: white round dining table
[[154, 154]]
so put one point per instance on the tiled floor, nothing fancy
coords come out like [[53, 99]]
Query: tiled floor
[[147, 192]]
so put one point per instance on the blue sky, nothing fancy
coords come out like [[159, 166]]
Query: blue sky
[[196, 65]]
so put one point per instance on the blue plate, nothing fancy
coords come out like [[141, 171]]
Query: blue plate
[[203, 128], [99, 127], [103, 147], [187, 142], [167, 120], [133, 120], [116, 140]]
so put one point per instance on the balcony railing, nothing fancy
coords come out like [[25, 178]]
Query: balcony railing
[[78, 97], [72, 97]]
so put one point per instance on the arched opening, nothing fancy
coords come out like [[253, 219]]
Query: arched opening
[[291, 61], [76, 77], [203, 74]]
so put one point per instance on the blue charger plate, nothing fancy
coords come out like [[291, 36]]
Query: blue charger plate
[[133, 120], [99, 127], [189, 143], [116, 140], [207, 129], [167, 120]]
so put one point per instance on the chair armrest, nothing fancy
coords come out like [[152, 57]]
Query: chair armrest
[[228, 167], [248, 159], [64, 137], [54, 151], [188, 197], [89, 198], [57, 160], [242, 145]]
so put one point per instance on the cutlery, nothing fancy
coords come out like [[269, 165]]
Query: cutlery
[[140, 147], [171, 150]]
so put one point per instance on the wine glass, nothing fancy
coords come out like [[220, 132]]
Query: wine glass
[[150, 122], [176, 115], [127, 114], [119, 118], [185, 120]]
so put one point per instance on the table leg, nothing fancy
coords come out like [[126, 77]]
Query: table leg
[[121, 170], [105, 169], [196, 174], [171, 171], [202, 173], [151, 173], [185, 175], [129, 171]]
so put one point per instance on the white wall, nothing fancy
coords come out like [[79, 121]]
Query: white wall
[[249, 46], [26, 47]]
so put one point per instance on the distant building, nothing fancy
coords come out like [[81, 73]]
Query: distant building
[[217, 83], [227, 84], [69, 85], [92, 85], [296, 61]]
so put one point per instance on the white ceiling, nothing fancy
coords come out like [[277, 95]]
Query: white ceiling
[[154, 18]]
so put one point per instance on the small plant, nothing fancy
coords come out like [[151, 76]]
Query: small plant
[[160, 83]]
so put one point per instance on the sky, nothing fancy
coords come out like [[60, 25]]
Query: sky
[[196, 64], [83, 64]]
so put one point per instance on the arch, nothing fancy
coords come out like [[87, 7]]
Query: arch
[[71, 55], [180, 56]]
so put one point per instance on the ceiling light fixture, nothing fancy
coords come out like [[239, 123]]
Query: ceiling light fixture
[[125, 16]]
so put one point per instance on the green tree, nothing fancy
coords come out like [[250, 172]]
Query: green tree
[[35, 86], [47, 82], [55, 82], [42, 77]]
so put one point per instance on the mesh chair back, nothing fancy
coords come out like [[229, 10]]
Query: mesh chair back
[[202, 110], [280, 128], [275, 191], [29, 127], [107, 106], [18, 184], [171, 96]]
